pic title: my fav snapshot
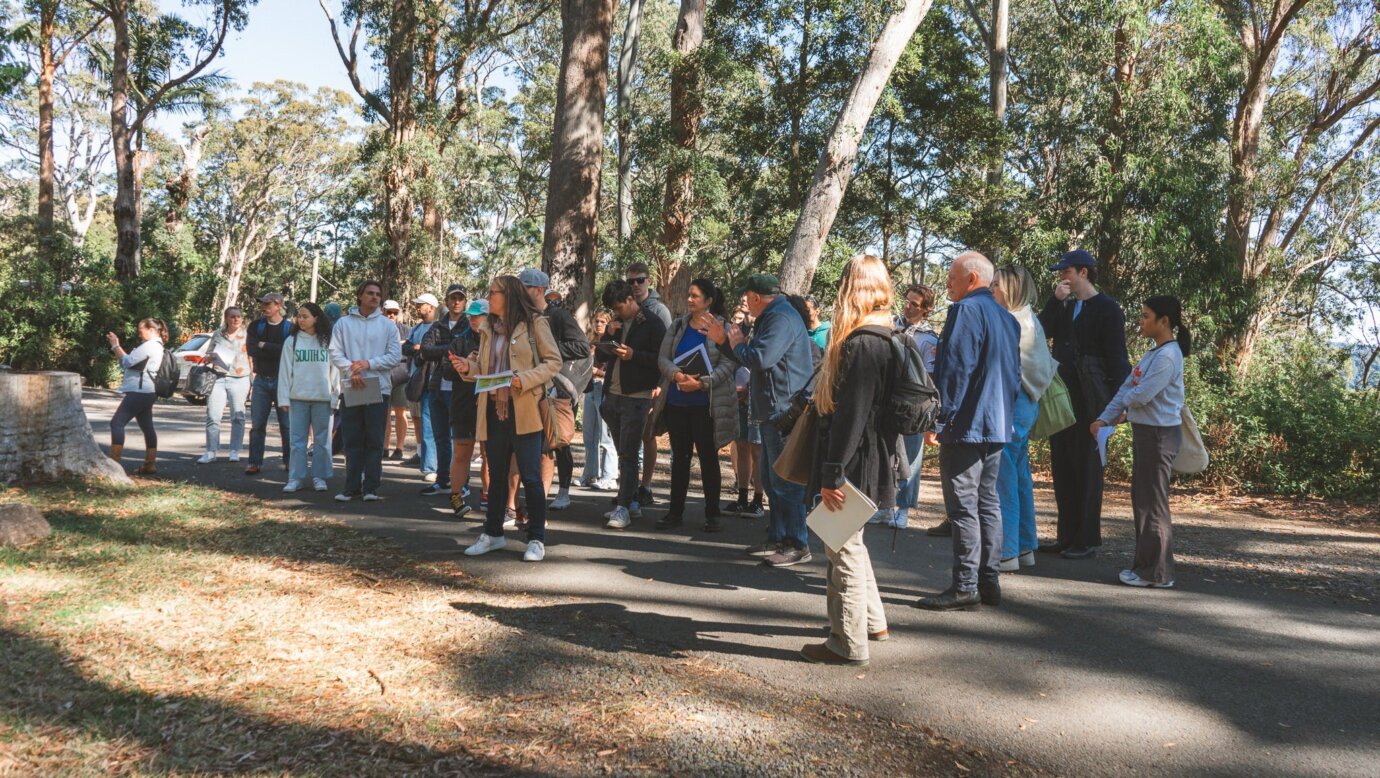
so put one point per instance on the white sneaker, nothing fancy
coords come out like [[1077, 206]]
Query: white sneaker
[[882, 516], [485, 544], [619, 518], [319, 484], [606, 486], [234, 456], [344, 497], [371, 497], [1130, 578], [207, 458], [536, 551], [429, 478], [1009, 565], [561, 502], [900, 518], [1028, 559], [292, 486]]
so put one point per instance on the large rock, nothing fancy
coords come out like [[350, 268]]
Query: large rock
[[22, 524], [44, 433]]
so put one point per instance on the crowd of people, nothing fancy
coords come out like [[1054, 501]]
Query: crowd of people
[[504, 375]]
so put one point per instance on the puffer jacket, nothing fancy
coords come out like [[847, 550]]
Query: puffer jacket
[[723, 397]]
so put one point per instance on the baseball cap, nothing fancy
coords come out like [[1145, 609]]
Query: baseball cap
[[455, 289], [477, 308], [271, 297], [425, 297], [534, 277], [761, 283], [391, 305], [1076, 258]]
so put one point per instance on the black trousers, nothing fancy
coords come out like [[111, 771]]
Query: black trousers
[[137, 406], [1077, 470], [692, 431]]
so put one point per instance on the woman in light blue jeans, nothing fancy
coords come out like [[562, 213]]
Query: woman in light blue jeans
[[228, 357], [601, 458], [309, 387], [1014, 288]]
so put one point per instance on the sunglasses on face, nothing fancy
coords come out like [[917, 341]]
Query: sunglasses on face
[[638, 280], [390, 313]]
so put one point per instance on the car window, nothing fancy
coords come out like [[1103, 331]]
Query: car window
[[196, 342]]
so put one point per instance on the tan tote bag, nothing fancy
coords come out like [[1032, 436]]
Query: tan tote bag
[[1193, 455]]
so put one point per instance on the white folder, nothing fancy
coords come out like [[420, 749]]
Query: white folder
[[836, 527]]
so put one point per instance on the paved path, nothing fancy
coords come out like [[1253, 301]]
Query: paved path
[[1073, 672]]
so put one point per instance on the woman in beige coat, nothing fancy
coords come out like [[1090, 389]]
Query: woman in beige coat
[[515, 338]]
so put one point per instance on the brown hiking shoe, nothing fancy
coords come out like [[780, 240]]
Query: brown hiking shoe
[[819, 653]]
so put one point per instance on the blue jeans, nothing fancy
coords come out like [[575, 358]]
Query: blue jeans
[[502, 445], [440, 435], [362, 427], [601, 458], [264, 399], [1015, 487], [235, 391], [626, 418], [787, 522], [908, 491], [969, 476], [426, 444], [313, 417]]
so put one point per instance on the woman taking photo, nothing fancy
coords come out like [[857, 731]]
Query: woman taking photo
[[1152, 399], [698, 400], [228, 359], [1014, 288], [601, 458], [515, 339], [141, 373], [308, 388], [851, 447]]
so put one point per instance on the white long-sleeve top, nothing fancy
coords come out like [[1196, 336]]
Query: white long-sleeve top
[[373, 338], [1153, 393], [306, 372], [141, 377]]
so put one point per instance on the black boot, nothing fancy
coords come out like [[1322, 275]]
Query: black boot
[[950, 600]]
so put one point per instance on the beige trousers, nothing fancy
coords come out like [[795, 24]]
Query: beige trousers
[[855, 607]]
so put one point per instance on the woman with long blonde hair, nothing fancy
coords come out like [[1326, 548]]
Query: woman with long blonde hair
[[851, 447]]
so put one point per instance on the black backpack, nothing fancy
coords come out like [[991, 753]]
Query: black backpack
[[912, 401], [165, 380]]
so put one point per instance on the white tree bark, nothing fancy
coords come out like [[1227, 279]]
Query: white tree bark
[[44, 433], [835, 166], [627, 69]]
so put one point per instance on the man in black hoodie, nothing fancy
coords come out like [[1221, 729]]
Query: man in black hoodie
[[265, 346], [631, 376]]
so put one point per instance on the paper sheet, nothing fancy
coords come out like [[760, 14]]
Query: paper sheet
[[371, 393], [1103, 435], [492, 381], [836, 527]]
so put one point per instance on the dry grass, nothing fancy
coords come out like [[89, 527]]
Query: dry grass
[[185, 630]]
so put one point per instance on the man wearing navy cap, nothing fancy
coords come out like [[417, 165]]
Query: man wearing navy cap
[[1088, 329]]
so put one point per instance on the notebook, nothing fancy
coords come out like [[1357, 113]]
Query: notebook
[[836, 527]]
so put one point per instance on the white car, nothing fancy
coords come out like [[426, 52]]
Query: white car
[[189, 355]]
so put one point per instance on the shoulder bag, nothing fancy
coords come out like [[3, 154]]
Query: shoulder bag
[[557, 413], [1193, 456], [1056, 411]]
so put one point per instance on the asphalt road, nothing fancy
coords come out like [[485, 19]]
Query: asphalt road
[[1073, 672]]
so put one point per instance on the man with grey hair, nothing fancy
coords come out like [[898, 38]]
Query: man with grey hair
[[978, 372]]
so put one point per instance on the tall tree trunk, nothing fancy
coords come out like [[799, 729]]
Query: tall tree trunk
[[181, 187], [399, 202], [627, 69], [797, 108], [836, 161], [571, 239], [997, 88], [127, 238], [1111, 224], [47, 168], [687, 108]]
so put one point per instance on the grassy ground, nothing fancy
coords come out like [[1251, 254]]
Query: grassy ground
[[180, 629]]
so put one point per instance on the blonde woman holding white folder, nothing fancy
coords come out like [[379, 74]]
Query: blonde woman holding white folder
[[852, 448]]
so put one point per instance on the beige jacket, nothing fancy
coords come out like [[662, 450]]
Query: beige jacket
[[534, 371], [1037, 365]]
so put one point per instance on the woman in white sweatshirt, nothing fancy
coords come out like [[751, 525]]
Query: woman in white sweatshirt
[[1014, 288], [141, 372], [308, 385], [229, 360]]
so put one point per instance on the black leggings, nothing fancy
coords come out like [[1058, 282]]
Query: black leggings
[[565, 466], [692, 430], [139, 407]]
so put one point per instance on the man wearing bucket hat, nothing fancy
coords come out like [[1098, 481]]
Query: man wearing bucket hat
[[397, 401], [1088, 329], [425, 307], [780, 359]]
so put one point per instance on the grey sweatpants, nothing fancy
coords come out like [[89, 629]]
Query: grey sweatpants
[[855, 606], [1154, 449]]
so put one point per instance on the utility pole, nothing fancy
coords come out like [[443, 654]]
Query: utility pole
[[315, 269]]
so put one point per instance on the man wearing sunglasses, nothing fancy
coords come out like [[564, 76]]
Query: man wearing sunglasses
[[638, 276]]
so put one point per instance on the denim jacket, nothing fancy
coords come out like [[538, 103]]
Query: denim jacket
[[779, 357]]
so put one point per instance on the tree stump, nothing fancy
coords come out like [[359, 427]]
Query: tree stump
[[22, 524], [44, 433]]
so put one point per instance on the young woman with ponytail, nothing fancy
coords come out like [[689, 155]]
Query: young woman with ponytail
[[1152, 399], [141, 373]]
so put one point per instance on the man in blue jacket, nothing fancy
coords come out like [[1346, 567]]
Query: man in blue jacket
[[779, 358], [978, 372]]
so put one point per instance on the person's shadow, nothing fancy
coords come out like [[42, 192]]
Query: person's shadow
[[611, 627]]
